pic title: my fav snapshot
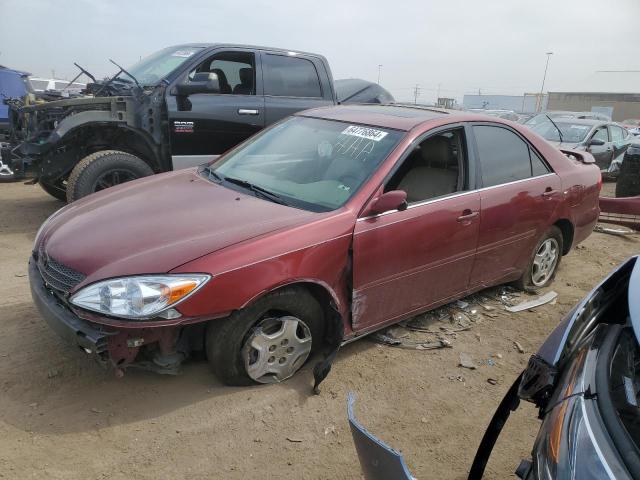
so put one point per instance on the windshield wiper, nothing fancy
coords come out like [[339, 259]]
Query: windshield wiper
[[263, 192], [558, 129]]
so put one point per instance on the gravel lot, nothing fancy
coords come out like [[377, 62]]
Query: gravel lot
[[63, 417]]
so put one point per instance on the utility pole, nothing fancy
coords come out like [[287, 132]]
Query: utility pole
[[438, 97], [379, 67], [416, 92], [544, 77]]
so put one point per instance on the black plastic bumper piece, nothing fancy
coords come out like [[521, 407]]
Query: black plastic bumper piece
[[63, 321]]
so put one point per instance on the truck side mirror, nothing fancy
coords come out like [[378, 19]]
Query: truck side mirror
[[203, 82]]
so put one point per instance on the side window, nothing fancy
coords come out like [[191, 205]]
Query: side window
[[538, 167], [617, 134], [290, 77], [433, 168], [601, 134], [504, 156], [235, 70]]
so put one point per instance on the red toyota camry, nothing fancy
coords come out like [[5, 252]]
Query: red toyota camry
[[330, 225]]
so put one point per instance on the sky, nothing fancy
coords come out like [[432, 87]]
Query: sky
[[448, 46]]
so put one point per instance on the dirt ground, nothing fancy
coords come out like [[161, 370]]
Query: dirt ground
[[63, 417]]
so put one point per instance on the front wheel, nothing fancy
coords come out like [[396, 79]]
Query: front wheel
[[102, 170], [268, 341], [544, 263]]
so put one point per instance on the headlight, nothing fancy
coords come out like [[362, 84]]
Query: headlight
[[139, 297]]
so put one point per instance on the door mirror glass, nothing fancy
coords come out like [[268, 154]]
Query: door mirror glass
[[393, 200], [596, 142], [203, 82]]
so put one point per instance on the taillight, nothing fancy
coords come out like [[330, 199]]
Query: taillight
[[599, 182]]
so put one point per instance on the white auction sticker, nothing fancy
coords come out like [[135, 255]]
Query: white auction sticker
[[364, 132], [183, 53]]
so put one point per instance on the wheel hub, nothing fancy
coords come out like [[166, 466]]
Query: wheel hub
[[545, 261], [276, 349]]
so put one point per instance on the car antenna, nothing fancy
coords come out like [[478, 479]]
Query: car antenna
[[82, 71], [554, 124], [126, 73]]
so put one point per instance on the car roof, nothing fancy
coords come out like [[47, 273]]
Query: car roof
[[396, 116], [239, 45]]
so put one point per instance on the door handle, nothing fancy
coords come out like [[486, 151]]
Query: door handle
[[467, 215], [248, 111], [548, 193]]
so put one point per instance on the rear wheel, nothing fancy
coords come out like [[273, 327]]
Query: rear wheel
[[102, 170], [56, 191], [544, 262], [268, 341]]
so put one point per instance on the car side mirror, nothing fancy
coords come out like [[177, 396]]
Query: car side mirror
[[203, 82], [596, 142], [393, 200]]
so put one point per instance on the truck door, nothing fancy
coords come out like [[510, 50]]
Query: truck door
[[293, 83], [205, 125]]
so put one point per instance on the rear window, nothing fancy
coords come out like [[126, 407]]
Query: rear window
[[290, 77], [504, 156]]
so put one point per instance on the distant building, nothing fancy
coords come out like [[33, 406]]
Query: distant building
[[526, 103], [615, 93]]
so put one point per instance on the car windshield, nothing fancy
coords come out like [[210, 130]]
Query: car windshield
[[306, 163], [150, 70], [571, 132]]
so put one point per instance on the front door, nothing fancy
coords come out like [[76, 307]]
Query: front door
[[205, 125], [518, 200], [407, 261]]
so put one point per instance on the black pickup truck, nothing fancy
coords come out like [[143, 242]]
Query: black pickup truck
[[179, 107]]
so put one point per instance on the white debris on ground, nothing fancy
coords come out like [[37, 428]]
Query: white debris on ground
[[438, 328]]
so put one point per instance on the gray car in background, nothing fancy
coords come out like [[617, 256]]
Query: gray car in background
[[605, 140]]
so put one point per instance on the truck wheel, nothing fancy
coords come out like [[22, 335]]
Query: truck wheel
[[544, 262], [55, 191], [628, 183], [268, 341], [102, 170]]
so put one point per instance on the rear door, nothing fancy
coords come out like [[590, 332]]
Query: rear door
[[518, 198], [205, 125], [293, 83], [407, 261], [603, 154]]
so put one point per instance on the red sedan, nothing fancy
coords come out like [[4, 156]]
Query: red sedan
[[330, 225]]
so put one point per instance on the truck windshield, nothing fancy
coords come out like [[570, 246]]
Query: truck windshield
[[150, 70], [306, 163]]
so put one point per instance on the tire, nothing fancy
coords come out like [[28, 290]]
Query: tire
[[7, 175], [628, 183], [527, 281], [59, 193], [227, 339], [93, 172]]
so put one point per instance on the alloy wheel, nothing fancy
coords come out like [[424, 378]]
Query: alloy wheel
[[545, 261]]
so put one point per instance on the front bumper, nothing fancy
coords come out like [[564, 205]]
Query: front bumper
[[63, 321]]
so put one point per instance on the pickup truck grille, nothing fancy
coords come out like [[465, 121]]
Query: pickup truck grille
[[56, 275]]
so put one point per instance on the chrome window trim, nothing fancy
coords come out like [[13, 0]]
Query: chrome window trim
[[453, 195]]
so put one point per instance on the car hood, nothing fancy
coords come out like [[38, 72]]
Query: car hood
[[157, 223]]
